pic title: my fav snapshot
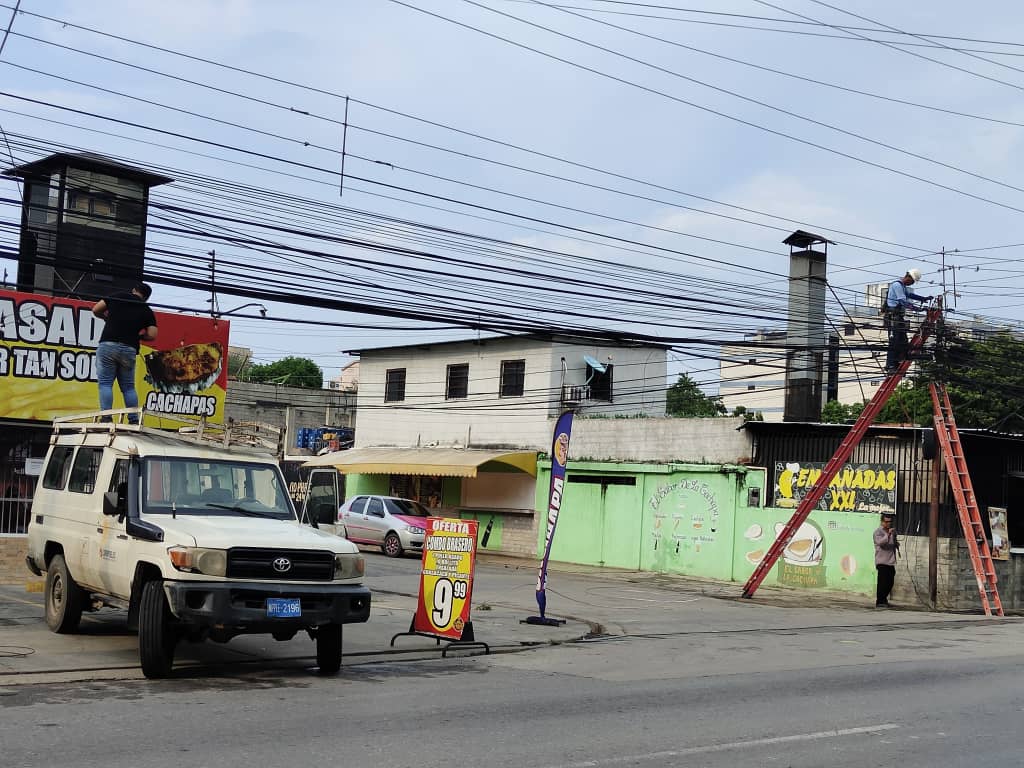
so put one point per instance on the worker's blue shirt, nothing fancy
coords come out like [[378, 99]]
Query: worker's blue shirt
[[900, 296]]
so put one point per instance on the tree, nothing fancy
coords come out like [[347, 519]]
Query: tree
[[684, 398], [984, 379], [293, 371], [835, 412], [741, 410]]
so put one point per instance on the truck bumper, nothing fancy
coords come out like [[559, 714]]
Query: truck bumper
[[31, 565], [242, 608]]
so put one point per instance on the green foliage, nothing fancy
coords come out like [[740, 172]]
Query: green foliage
[[741, 410], [292, 371], [984, 379], [685, 399], [835, 412]]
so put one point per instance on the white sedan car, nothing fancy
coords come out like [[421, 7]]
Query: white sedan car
[[395, 525]]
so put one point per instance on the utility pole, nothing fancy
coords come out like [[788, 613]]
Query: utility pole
[[933, 530], [213, 283]]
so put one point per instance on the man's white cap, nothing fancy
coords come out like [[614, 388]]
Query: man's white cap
[[914, 273]]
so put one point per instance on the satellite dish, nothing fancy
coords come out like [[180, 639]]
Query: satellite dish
[[596, 365]]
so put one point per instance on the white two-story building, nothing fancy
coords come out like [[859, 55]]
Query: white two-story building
[[458, 425], [500, 392]]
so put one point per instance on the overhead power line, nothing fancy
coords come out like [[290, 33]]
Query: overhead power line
[[787, 22], [433, 123], [680, 100]]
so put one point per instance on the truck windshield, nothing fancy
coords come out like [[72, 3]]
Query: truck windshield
[[184, 486]]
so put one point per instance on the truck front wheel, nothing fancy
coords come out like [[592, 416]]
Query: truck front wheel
[[64, 598], [328, 649], [157, 631]]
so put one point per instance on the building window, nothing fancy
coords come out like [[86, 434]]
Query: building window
[[750, 387], [394, 385], [752, 361], [600, 383], [513, 378], [849, 329], [457, 386]]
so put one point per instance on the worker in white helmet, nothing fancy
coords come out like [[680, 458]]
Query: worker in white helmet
[[897, 302]]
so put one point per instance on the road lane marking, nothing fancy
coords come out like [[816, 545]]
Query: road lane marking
[[730, 745]]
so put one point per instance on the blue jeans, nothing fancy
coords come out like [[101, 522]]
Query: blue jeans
[[115, 360]]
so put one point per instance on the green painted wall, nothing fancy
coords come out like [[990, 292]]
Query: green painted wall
[[833, 550], [369, 484], [694, 519], [489, 531], [688, 521], [451, 491], [599, 523]]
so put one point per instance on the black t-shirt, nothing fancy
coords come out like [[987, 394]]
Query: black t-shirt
[[129, 316]]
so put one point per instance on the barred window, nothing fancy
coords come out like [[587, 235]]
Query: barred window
[[457, 387], [394, 385], [513, 378]]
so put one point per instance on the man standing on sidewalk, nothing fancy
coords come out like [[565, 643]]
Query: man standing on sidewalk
[[128, 320], [886, 547]]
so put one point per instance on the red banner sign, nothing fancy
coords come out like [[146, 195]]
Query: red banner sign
[[446, 577], [48, 361]]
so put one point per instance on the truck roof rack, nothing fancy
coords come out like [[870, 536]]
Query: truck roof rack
[[264, 437]]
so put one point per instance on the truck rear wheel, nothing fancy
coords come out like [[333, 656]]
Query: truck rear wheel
[[64, 598], [328, 649], [157, 631]]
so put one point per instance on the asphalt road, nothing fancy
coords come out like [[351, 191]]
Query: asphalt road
[[904, 697]]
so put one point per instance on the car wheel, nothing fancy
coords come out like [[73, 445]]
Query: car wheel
[[392, 545], [328, 649], [157, 631], [64, 598]]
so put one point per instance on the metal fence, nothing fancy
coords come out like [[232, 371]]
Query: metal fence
[[15, 506], [901, 448], [992, 459]]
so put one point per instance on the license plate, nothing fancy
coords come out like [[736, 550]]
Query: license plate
[[284, 607]]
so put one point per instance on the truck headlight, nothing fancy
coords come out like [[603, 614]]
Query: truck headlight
[[349, 566], [210, 562]]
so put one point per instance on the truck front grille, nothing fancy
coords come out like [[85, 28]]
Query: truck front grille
[[303, 565]]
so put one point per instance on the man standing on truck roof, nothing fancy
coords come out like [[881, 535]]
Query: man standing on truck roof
[[897, 302], [129, 320]]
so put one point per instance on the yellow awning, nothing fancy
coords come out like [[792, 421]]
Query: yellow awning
[[438, 462]]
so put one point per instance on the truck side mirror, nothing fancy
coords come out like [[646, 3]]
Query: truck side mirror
[[115, 502], [112, 503]]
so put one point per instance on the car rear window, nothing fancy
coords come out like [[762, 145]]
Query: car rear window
[[358, 504]]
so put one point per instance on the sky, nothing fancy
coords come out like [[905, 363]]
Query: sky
[[689, 161]]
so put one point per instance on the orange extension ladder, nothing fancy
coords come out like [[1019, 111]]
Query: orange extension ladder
[[842, 455], [967, 507]]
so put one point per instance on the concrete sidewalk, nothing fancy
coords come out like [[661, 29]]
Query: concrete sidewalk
[[594, 602]]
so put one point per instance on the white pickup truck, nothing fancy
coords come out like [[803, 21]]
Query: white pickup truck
[[196, 540]]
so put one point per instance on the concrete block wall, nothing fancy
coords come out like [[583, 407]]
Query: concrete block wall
[[911, 588], [957, 584], [290, 407], [696, 441], [1009, 576], [519, 535], [12, 560]]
